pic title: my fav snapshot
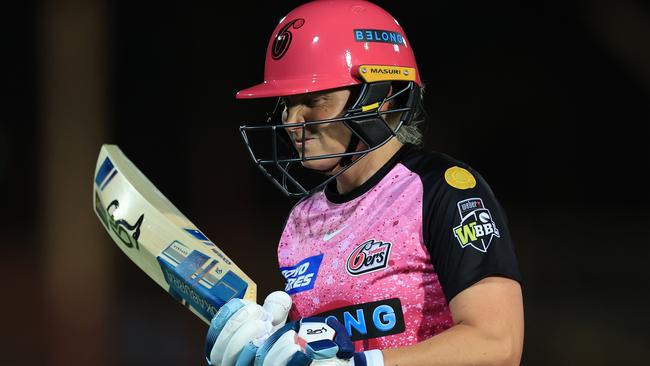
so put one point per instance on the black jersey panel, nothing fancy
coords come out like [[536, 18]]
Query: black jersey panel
[[464, 226]]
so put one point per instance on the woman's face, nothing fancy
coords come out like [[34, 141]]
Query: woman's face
[[321, 139]]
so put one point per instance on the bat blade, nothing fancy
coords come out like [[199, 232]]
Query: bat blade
[[160, 240]]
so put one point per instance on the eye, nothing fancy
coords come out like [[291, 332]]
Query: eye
[[315, 102]]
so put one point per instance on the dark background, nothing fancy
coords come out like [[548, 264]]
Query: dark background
[[549, 100]]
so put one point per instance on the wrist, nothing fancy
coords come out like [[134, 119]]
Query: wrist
[[373, 357]]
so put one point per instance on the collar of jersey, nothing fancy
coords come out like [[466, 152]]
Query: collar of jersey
[[332, 194]]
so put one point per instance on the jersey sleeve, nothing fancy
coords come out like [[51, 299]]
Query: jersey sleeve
[[466, 231]]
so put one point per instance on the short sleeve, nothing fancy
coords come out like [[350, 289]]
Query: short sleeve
[[466, 231]]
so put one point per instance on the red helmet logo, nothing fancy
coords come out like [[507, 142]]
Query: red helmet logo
[[282, 40]]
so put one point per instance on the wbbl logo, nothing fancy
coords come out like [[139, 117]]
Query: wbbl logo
[[368, 257], [476, 227]]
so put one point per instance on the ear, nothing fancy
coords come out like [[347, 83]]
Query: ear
[[391, 118], [388, 105]]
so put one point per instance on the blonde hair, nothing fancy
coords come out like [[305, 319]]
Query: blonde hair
[[410, 133]]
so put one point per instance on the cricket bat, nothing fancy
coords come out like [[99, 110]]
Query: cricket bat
[[160, 240]]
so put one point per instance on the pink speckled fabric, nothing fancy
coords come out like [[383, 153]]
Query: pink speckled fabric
[[390, 212]]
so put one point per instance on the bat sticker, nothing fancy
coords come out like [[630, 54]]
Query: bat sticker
[[195, 279]]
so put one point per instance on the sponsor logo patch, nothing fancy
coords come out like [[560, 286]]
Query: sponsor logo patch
[[196, 279], [476, 228], [302, 276], [378, 35], [368, 257], [370, 320], [373, 73]]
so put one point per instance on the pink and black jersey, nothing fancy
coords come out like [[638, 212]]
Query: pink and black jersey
[[387, 258]]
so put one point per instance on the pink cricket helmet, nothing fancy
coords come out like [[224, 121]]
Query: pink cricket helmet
[[328, 44]]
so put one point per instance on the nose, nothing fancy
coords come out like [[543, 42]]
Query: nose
[[293, 115]]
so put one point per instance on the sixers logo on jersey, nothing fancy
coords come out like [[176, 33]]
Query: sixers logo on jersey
[[368, 257]]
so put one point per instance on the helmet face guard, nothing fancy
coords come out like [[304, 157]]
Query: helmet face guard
[[324, 45], [366, 121]]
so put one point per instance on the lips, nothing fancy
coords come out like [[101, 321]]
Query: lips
[[300, 142]]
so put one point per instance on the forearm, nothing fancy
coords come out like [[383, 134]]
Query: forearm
[[459, 345]]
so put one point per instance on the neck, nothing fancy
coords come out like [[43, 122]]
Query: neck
[[366, 167]]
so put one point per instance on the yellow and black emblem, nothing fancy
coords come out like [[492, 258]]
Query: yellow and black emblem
[[460, 178], [373, 73]]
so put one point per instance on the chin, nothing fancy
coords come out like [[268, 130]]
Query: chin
[[320, 164]]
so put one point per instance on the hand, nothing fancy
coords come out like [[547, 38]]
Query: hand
[[240, 322], [310, 341]]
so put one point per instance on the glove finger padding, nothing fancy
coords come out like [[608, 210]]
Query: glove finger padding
[[251, 312], [248, 322], [251, 330], [278, 303], [218, 322], [262, 354], [283, 350], [247, 355], [243, 325]]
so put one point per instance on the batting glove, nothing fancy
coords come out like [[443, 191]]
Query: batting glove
[[310, 341], [240, 322]]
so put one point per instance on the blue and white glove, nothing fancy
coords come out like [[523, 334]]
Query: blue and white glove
[[246, 334], [310, 341], [240, 322]]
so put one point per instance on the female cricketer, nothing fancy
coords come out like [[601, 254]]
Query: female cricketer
[[397, 255]]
